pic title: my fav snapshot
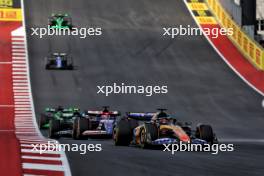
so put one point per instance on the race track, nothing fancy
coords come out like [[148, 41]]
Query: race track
[[132, 50]]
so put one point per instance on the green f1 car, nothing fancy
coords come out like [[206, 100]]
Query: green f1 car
[[60, 21], [56, 114]]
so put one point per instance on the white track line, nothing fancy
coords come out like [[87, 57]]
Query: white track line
[[20, 97], [18, 46], [41, 158], [43, 167], [44, 152], [19, 84], [18, 43], [23, 106], [23, 112], [20, 120], [18, 38], [23, 115], [25, 132], [19, 66], [19, 62], [24, 121], [5, 62], [19, 69], [25, 140], [22, 103], [20, 88]]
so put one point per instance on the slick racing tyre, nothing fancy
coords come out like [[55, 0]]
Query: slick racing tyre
[[42, 121], [54, 128], [123, 133], [70, 67], [47, 66], [82, 124], [74, 128], [148, 133], [205, 132]]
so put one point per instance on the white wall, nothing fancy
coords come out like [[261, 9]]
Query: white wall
[[260, 9]]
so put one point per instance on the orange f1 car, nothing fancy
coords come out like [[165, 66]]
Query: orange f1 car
[[158, 128]]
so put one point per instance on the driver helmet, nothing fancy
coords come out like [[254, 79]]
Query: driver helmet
[[58, 58], [105, 116], [163, 118]]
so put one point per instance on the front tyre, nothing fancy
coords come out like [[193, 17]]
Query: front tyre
[[205, 132], [148, 133], [82, 124], [43, 120], [122, 133]]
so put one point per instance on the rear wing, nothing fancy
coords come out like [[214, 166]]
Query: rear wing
[[140, 116], [50, 109], [99, 113], [63, 56], [71, 110], [59, 15], [59, 54], [63, 109]]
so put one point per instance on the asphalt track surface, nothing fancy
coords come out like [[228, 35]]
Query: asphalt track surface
[[202, 88]]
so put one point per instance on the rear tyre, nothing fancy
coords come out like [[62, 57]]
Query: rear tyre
[[82, 125], [123, 133], [148, 133], [54, 128], [74, 128], [47, 67], [70, 67], [205, 132], [42, 121]]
